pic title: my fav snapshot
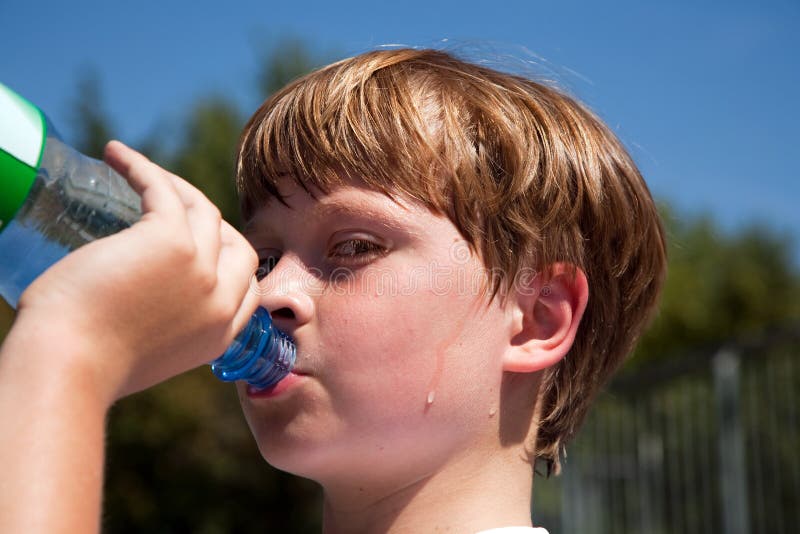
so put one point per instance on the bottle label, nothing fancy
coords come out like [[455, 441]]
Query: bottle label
[[22, 139]]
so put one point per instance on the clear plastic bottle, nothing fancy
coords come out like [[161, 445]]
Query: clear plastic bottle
[[54, 199]]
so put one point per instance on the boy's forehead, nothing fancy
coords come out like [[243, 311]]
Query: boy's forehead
[[353, 200]]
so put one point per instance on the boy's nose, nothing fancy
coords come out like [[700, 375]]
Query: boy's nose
[[286, 292]]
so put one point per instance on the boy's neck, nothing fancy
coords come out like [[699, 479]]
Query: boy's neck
[[468, 495]]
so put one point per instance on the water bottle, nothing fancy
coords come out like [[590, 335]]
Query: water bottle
[[54, 199]]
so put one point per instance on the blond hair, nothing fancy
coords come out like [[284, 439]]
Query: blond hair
[[528, 175]]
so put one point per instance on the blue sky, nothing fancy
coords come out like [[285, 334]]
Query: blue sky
[[704, 94]]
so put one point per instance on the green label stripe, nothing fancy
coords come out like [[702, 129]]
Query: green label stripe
[[18, 179]]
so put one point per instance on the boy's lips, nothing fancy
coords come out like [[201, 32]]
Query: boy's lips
[[290, 381]]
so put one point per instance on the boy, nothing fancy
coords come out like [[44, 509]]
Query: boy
[[427, 231]]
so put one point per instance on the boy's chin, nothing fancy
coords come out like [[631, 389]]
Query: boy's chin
[[300, 461]]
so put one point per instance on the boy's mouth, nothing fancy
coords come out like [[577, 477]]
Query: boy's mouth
[[290, 381]]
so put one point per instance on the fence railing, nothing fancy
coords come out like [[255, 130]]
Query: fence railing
[[706, 443]]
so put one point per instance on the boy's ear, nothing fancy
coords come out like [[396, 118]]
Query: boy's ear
[[546, 316]]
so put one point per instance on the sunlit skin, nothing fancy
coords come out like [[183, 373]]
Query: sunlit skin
[[401, 363]]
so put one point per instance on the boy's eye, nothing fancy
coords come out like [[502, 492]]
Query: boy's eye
[[266, 264], [354, 249]]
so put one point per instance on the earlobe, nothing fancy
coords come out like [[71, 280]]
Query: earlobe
[[548, 319]]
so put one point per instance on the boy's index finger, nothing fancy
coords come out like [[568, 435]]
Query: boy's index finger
[[190, 195], [146, 178]]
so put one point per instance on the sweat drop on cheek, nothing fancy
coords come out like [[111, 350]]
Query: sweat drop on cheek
[[54, 199]]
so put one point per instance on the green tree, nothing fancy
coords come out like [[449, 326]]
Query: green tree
[[206, 154], [720, 286], [289, 60], [93, 128], [7, 315]]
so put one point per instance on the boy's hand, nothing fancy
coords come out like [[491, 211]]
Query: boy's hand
[[133, 309]]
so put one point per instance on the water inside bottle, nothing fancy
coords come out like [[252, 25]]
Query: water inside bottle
[[74, 199]]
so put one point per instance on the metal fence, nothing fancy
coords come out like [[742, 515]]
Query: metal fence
[[708, 443]]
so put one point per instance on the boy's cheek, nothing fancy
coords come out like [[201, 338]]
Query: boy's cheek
[[375, 327]]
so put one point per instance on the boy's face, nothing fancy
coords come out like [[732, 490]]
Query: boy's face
[[398, 348]]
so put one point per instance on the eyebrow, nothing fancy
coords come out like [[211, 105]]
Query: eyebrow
[[329, 208], [362, 210]]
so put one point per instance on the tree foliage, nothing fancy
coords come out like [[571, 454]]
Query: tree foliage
[[281, 64], [721, 286], [93, 127], [206, 154]]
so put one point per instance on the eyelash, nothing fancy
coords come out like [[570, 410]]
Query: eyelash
[[362, 251]]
